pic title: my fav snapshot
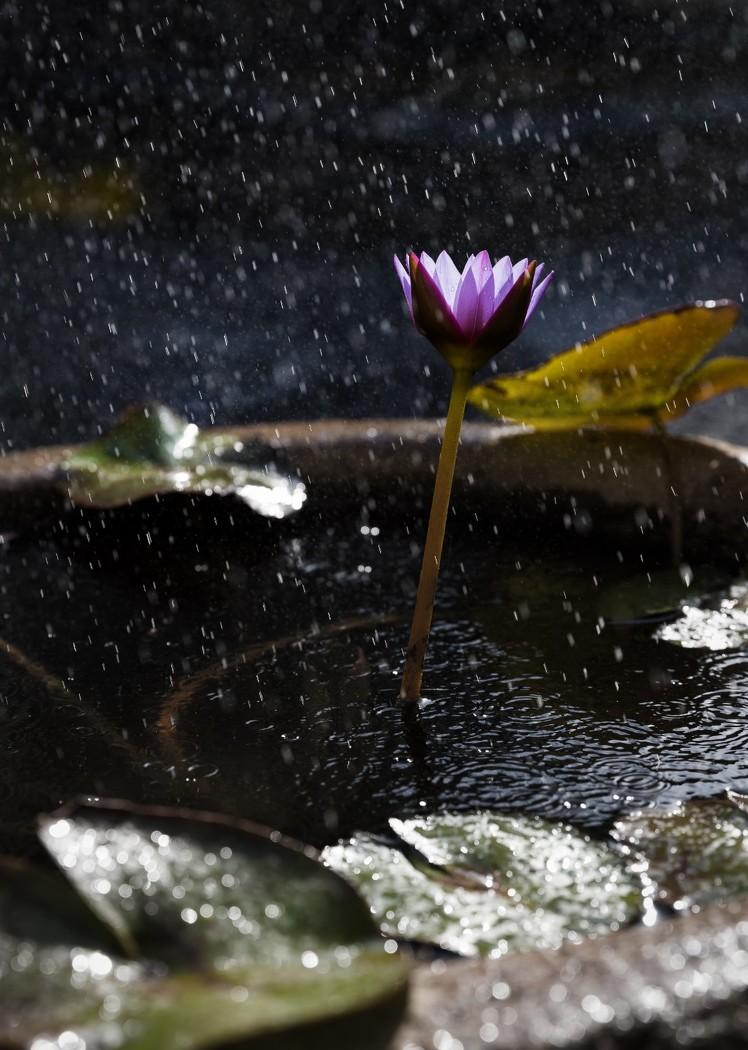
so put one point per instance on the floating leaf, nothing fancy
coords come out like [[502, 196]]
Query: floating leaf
[[150, 451], [658, 595], [233, 933], [718, 376], [696, 852], [485, 883], [626, 377], [721, 623]]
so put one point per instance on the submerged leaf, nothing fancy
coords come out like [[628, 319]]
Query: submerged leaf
[[696, 852], [484, 883], [152, 452], [235, 933], [626, 377]]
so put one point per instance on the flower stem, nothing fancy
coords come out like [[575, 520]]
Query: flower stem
[[432, 551]]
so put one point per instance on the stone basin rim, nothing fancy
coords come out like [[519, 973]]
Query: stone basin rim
[[611, 470]]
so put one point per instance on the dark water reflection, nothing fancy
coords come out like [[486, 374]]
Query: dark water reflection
[[258, 676]]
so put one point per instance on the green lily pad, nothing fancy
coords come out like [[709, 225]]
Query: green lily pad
[[39, 906], [487, 883], [659, 594], [695, 852], [232, 933], [152, 452]]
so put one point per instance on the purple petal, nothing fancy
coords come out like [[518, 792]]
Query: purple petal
[[502, 272], [507, 320], [467, 267], [537, 295], [502, 290], [447, 277], [486, 300], [518, 268], [513, 273], [466, 304], [404, 276], [481, 269], [427, 263], [432, 314], [538, 275]]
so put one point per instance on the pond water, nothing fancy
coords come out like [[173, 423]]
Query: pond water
[[255, 670]]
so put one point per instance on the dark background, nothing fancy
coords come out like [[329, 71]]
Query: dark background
[[199, 202]]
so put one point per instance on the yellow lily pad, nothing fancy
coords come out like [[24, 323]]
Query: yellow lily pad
[[718, 376], [630, 376]]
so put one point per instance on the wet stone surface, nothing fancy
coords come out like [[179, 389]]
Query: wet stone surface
[[672, 985]]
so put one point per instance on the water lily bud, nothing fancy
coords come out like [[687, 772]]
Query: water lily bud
[[471, 316]]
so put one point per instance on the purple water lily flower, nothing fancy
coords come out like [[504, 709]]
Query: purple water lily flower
[[471, 316]]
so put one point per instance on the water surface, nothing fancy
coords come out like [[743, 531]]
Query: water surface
[[254, 670]]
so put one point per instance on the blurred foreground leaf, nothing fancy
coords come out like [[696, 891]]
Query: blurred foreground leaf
[[486, 884], [631, 376], [228, 934], [696, 852], [152, 452]]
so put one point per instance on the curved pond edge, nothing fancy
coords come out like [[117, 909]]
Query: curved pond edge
[[678, 983], [579, 481]]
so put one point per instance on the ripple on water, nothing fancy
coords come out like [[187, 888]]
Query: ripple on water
[[628, 775], [542, 710]]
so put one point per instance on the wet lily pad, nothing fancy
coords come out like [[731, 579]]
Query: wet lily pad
[[38, 905], [658, 595], [226, 934], [150, 451], [716, 625], [486, 883], [631, 376], [695, 852]]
